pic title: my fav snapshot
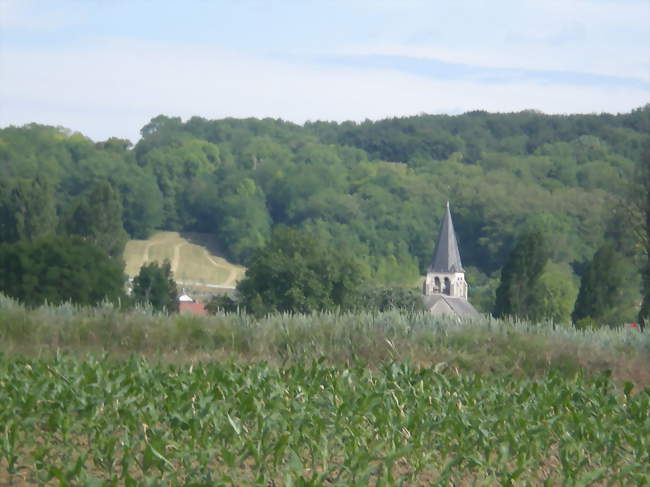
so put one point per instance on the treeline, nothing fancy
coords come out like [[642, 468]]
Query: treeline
[[375, 190]]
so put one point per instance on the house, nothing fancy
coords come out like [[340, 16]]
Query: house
[[188, 305], [444, 289]]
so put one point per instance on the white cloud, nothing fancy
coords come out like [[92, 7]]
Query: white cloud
[[586, 36], [30, 16], [607, 61], [114, 87]]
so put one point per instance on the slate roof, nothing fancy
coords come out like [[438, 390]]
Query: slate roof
[[446, 257], [443, 304]]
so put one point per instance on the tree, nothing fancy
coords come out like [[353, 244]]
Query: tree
[[599, 289], [222, 302], [516, 294], [155, 285], [6, 221], [644, 313], [141, 199], [97, 218], [296, 272], [174, 162], [244, 221], [390, 298], [59, 269], [29, 211], [557, 292]]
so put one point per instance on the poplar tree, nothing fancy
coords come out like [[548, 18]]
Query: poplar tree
[[516, 294], [644, 313], [599, 289]]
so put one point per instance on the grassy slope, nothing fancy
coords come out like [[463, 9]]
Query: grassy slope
[[194, 257]]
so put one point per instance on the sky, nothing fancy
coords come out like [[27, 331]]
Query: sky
[[105, 68]]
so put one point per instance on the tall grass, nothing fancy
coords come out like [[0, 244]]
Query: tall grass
[[483, 345]]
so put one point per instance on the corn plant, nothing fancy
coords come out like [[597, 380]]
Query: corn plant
[[67, 420]]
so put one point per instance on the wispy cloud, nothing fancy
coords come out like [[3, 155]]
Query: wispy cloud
[[597, 37], [105, 68], [115, 87], [589, 60], [444, 70], [31, 16]]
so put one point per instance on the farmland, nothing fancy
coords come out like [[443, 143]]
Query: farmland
[[75, 422], [99, 396]]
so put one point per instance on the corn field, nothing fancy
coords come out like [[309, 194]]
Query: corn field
[[100, 396], [66, 421]]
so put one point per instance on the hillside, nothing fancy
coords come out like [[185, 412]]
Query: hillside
[[374, 189], [194, 258]]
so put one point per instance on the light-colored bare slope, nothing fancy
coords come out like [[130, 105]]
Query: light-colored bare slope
[[194, 258]]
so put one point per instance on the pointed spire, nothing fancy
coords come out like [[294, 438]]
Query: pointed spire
[[446, 257]]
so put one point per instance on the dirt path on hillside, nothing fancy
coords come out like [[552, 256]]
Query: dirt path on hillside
[[168, 239], [177, 256], [145, 254], [231, 279]]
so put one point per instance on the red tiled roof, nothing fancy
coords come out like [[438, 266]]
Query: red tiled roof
[[195, 307]]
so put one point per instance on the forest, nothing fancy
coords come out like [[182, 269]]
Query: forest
[[375, 190]]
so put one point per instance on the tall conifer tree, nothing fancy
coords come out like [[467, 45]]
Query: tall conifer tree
[[599, 288], [644, 313], [516, 294]]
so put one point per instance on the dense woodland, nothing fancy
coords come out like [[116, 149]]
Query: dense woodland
[[374, 190]]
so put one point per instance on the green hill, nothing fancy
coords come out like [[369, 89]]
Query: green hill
[[376, 190]]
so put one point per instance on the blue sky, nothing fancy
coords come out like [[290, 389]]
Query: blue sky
[[105, 68]]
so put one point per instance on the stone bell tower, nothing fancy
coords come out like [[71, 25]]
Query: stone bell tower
[[444, 288], [446, 274]]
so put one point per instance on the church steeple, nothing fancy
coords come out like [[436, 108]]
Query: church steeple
[[446, 257], [444, 288], [445, 274]]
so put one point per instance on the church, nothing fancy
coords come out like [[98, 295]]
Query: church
[[445, 289]]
